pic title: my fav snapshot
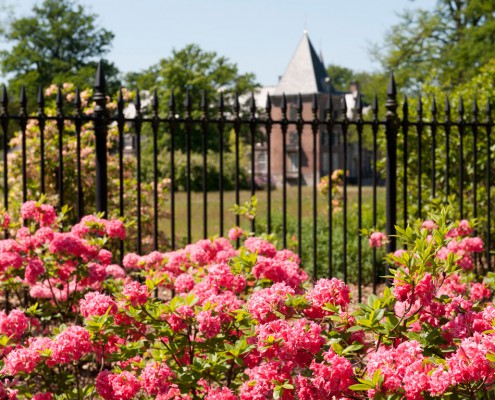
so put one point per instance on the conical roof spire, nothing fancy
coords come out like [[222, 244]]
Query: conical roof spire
[[305, 73]]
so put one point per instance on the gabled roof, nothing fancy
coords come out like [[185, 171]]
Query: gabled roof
[[305, 73]]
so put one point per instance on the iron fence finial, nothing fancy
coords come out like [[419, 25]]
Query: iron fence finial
[[40, 99]]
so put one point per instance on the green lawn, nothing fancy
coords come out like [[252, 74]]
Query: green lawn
[[213, 211]]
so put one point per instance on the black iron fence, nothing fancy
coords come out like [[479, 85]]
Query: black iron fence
[[424, 159]]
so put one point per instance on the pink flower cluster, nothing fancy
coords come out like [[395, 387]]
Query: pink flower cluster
[[237, 324], [15, 324], [378, 239], [43, 214], [70, 345], [463, 249], [235, 233], [76, 260], [123, 386]]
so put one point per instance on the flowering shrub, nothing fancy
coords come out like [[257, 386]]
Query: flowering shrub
[[241, 323], [57, 266], [87, 136], [334, 184]]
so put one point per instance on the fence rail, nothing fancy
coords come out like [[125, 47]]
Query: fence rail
[[425, 159]]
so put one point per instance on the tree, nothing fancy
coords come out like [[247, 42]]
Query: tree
[[195, 70], [370, 83], [452, 41], [59, 42], [340, 76]]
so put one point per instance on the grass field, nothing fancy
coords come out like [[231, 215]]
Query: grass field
[[213, 210]]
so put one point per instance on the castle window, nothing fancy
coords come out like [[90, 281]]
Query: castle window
[[262, 164], [294, 162]]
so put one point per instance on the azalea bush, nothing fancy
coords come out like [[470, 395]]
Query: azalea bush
[[69, 149], [210, 321]]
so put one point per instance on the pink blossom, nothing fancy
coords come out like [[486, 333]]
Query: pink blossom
[[221, 277], [183, 283], [115, 229], [479, 292], [225, 304], [154, 260], [26, 241], [333, 377], [68, 244], [10, 260], [429, 225], [208, 324], [377, 239], [6, 220], [462, 230], [425, 289], [156, 377], [123, 386], [29, 210], [15, 324], [132, 261], [43, 396], [40, 344], [287, 255], [115, 271], [33, 270], [260, 246], [136, 294], [294, 341], [179, 320], [402, 291], [43, 214], [395, 364], [44, 235], [21, 360], [440, 381], [279, 271], [95, 303], [262, 380], [176, 262], [223, 393], [474, 245], [90, 225], [265, 303], [235, 233], [96, 273], [452, 286], [11, 246], [105, 257], [70, 345], [469, 362], [327, 291]]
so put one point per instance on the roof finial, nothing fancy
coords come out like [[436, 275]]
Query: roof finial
[[305, 31]]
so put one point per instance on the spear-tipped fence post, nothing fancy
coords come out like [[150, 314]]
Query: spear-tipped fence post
[[100, 123], [392, 127]]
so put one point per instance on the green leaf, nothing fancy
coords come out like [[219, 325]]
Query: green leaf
[[376, 377], [360, 386], [352, 348]]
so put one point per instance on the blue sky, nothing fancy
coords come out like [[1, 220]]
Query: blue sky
[[260, 36]]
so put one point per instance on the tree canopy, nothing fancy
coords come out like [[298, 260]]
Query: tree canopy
[[451, 41], [194, 69], [370, 83], [60, 41]]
